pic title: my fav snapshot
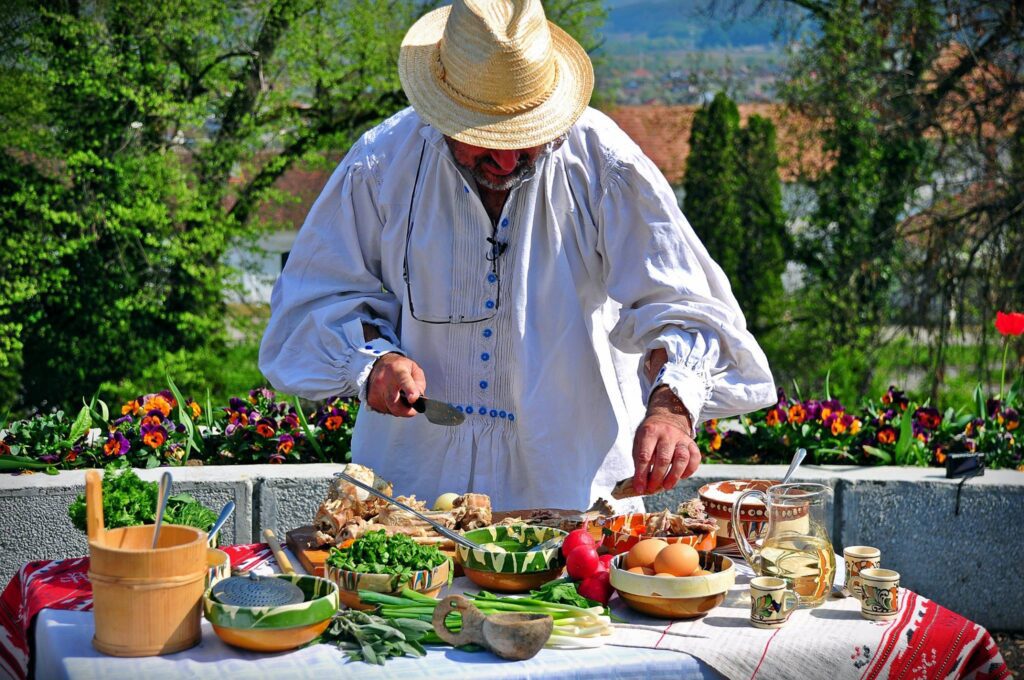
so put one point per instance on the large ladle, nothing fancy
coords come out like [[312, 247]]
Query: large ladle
[[439, 528]]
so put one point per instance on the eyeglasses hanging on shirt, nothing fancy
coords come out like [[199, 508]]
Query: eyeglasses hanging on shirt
[[419, 305]]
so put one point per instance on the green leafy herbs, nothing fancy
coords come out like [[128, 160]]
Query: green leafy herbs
[[377, 553], [374, 639], [128, 501], [563, 591]]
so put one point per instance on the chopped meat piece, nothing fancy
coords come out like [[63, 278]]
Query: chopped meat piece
[[693, 508], [477, 510]]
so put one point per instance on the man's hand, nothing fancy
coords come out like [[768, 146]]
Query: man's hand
[[664, 440], [392, 377]]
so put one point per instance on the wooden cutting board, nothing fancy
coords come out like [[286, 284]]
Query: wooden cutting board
[[312, 558]]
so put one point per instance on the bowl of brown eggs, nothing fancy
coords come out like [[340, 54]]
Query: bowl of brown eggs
[[672, 581]]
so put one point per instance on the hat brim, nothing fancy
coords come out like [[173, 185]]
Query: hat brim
[[523, 130]]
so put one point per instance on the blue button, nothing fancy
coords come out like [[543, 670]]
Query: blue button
[[489, 304], [494, 414], [504, 222], [459, 409], [511, 417], [488, 332], [485, 356], [492, 277], [466, 188], [369, 347], [483, 384], [482, 410], [503, 414]]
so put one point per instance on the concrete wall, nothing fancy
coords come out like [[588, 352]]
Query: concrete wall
[[969, 562]]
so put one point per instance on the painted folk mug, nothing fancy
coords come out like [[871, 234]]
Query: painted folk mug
[[858, 558], [880, 601], [770, 602]]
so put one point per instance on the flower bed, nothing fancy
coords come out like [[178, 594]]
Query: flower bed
[[892, 430], [163, 428]]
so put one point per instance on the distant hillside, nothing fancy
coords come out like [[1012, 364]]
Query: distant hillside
[[685, 24]]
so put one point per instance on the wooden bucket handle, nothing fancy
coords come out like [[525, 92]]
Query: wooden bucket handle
[[94, 506]]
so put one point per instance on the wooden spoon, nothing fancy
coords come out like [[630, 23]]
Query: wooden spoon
[[513, 635]]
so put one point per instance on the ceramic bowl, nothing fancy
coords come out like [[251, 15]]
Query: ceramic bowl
[[511, 572], [218, 566], [675, 597], [718, 499], [621, 532], [426, 581], [275, 629]]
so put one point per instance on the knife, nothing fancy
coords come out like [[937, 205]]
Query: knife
[[437, 412]]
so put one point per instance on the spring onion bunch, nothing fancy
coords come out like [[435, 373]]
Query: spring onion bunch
[[574, 627]]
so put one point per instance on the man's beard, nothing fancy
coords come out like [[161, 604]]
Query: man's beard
[[523, 171]]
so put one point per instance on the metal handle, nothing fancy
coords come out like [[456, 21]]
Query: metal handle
[[224, 514], [444, 531], [161, 504], [798, 458]]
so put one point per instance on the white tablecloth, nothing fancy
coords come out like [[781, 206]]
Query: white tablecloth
[[63, 649]]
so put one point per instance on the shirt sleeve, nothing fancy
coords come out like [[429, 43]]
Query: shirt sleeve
[[331, 285], [674, 296]]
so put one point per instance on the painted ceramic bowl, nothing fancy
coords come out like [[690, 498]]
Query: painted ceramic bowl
[[426, 581], [718, 499], [511, 569], [621, 532], [275, 629], [675, 597]]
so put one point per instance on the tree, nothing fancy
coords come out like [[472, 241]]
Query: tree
[[915, 99], [733, 198], [711, 183], [139, 139], [764, 248]]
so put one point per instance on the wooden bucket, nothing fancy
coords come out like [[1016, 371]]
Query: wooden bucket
[[146, 601]]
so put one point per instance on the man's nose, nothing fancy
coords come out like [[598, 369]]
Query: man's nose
[[505, 159]]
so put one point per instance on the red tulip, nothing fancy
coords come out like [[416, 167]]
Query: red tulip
[[1010, 323]]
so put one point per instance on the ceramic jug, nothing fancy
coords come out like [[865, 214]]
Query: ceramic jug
[[795, 544]]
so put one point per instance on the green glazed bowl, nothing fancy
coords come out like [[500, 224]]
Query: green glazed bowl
[[518, 562], [321, 601]]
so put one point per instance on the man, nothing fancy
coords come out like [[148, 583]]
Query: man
[[503, 248]]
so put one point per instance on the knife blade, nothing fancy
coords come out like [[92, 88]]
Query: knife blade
[[437, 412]]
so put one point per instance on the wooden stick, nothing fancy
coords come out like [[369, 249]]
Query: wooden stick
[[94, 506], [275, 545]]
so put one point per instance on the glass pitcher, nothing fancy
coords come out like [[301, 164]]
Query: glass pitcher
[[795, 546]]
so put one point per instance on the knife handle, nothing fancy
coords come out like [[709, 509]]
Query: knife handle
[[420, 405]]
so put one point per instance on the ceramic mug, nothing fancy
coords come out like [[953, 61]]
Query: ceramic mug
[[880, 601], [218, 565], [770, 602], [858, 558]]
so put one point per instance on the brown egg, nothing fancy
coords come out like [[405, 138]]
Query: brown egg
[[646, 571], [665, 574], [643, 553], [702, 572], [677, 559]]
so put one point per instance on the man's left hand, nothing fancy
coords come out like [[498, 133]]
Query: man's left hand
[[663, 448]]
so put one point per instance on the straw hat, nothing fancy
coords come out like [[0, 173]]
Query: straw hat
[[495, 73]]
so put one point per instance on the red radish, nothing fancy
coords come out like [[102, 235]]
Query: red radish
[[582, 561], [576, 538], [597, 587], [606, 561]]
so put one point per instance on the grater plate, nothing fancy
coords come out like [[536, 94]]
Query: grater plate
[[257, 591]]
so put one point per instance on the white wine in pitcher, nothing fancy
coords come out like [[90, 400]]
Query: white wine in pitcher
[[807, 563]]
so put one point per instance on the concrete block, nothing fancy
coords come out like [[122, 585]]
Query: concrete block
[[288, 495], [968, 562]]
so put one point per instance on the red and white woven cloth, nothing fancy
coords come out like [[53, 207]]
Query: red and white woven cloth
[[64, 584], [832, 641]]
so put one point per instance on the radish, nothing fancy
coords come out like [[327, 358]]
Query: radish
[[576, 538], [582, 562], [598, 587]]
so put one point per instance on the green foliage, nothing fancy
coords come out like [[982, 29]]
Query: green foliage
[[128, 501], [734, 202], [377, 553], [139, 141]]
